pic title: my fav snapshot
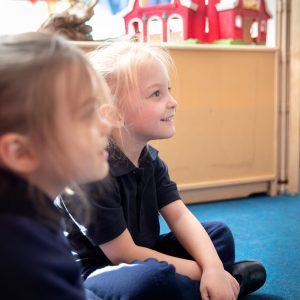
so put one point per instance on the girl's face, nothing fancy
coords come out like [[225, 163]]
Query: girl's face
[[82, 136], [152, 116]]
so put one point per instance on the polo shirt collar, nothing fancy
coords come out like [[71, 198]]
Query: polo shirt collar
[[120, 164]]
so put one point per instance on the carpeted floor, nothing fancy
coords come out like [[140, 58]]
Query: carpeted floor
[[266, 229]]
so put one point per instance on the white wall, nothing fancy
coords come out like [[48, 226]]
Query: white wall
[[271, 37], [20, 16]]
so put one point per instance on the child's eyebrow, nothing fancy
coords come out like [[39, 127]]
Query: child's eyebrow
[[87, 102], [91, 100], [153, 85], [156, 85]]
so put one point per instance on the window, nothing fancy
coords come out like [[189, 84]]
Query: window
[[206, 25], [263, 26], [155, 30], [254, 30], [175, 28], [238, 22]]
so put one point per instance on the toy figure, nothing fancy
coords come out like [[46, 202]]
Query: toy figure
[[71, 22]]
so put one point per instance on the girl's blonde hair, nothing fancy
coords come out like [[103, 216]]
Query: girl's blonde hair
[[119, 62], [30, 68]]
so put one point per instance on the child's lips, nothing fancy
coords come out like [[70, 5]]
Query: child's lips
[[169, 118]]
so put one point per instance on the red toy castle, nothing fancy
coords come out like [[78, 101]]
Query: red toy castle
[[206, 21]]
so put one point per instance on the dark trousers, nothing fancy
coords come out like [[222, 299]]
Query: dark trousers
[[158, 280], [147, 280], [218, 232]]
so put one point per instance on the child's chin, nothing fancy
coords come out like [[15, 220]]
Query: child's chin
[[104, 172], [164, 136], [99, 174], [170, 134]]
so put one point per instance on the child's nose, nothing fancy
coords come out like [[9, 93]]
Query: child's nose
[[172, 102]]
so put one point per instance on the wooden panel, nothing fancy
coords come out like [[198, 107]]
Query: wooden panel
[[226, 117], [294, 98]]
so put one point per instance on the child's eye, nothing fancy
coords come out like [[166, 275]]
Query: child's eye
[[169, 89], [156, 94], [90, 111]]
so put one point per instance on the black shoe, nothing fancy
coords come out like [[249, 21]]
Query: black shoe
[[250, 274]]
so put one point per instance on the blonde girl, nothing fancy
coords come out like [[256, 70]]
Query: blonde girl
[[126, 223], [51, 136]]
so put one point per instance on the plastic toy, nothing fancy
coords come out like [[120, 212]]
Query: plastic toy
[[202, 21]]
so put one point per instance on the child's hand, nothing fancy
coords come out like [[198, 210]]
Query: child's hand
[[218, 284]]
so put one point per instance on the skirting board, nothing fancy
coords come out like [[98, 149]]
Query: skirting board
[[190, 196]]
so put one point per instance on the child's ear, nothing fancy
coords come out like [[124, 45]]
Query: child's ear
[[112, 115], [119, 121], [17, 153]]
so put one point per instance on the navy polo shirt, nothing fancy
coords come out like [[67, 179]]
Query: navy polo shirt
[[129, 198], [35, 258]]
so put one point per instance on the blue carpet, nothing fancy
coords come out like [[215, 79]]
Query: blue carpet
[[265, 229]]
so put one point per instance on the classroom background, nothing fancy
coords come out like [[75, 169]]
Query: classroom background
[[236, 153]]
